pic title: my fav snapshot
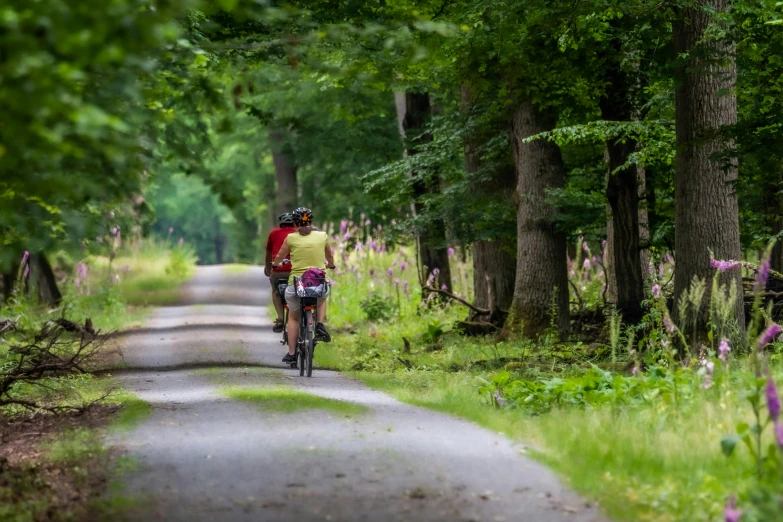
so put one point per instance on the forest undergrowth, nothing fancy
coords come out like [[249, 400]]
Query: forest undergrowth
[[649, 431], [53, 409]]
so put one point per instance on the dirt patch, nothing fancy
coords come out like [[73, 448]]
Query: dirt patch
[[35, 487]]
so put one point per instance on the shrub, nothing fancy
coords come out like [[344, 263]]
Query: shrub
[[379, 308]]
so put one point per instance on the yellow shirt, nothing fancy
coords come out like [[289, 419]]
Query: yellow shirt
[[306, 252]]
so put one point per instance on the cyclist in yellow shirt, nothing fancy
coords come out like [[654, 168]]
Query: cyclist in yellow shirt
[[308, 248]]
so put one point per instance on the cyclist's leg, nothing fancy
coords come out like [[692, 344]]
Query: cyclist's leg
[[273, 280], [293, 302], [321, 333]]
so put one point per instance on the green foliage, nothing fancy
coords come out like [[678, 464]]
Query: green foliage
[[378, 308]]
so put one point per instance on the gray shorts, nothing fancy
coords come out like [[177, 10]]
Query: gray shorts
[[294, 301]]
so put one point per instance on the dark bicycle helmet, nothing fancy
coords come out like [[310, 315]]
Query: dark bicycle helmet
[[286, 219], [303, 217]]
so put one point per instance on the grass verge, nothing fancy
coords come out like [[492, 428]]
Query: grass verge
[[288, 400], [639, 464]]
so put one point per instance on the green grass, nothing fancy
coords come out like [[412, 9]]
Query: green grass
[[650, 463], [134, 411], [288, 400], [74, 446], [235, 269]]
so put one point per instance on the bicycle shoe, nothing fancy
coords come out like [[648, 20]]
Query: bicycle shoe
[[289, 359], [321, 334]]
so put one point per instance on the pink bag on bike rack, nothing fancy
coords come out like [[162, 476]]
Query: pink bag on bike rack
[[313, 283]]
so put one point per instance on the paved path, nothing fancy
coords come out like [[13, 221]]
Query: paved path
[[204, 457]]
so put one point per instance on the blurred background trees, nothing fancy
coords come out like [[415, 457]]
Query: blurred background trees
[[617, 121]]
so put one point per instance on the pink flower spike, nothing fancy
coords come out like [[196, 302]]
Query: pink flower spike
[[769, 335], [25, 257], [444, 287], [450, 251], [390, 272], [367, 223], [26, 271], [730, 511], [403, 266], [435, 272], [773, 401], [171, 230], [586, 264], [724, 265], [656, 291], [723, 350], [635, 371]]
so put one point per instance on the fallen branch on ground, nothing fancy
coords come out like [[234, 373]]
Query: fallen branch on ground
[[61, 348], [479, 311]]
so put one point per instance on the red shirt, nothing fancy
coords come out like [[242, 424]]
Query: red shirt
[[275, 243]]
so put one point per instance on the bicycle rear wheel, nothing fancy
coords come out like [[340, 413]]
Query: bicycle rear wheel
[[309, 343]]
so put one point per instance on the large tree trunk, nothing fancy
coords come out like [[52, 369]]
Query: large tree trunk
[[625, 272], [494, 263], [413, 114], [706, 209], [542, 278], [285, 171]]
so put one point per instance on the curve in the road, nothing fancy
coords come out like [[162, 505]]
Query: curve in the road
[[205, 457]]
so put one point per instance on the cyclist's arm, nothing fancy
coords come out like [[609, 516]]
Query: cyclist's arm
[[328, 254], [284, 250]]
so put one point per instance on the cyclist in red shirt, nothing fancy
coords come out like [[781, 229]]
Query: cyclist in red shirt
[[273, 244]]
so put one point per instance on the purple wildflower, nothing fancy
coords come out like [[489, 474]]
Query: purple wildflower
[[374, 245], [77, 282], [26, 271], [769, 335], [171, 230], [181, 241], [390, 272], [585, 248], [25, 257], [397, 281], [347, 236], [343, 226], [656, 291], [667, 322], [435, 272], [367, 223], [81, 268], [586, 264], [430, 279], [660, 270], [572, 273], [114, 231], [444, 287], [763, 275], [773, 401], [723, 350], [403, 266], [450, 251], [635, 371], [730, 512], [724, 265], [383, 249]]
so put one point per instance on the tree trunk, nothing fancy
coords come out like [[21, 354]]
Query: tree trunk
[[706, 208], [413, 114], [542, 278], [42, 272], [285, 171], [494, 263], [626, 277]]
